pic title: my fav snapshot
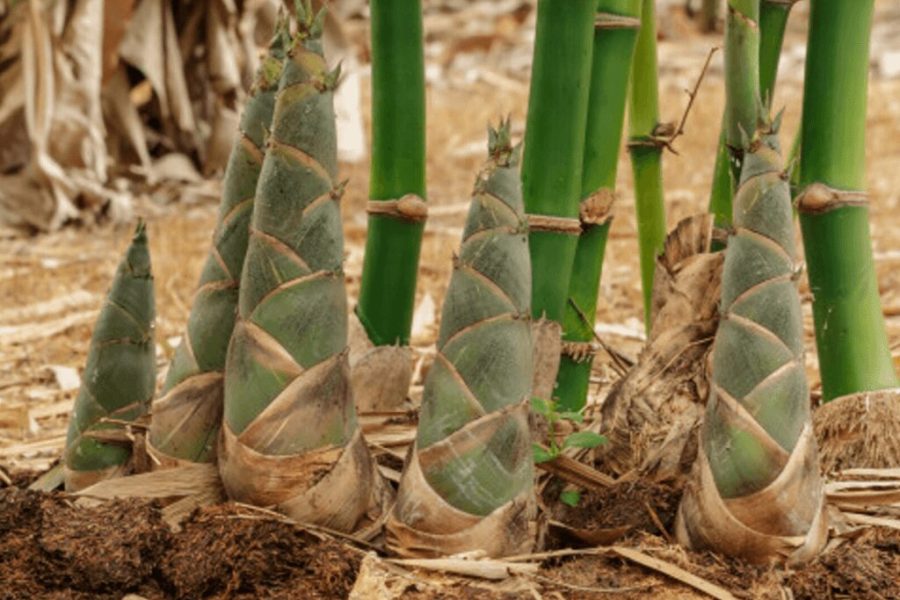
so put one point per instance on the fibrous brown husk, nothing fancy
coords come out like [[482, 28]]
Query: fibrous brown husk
[[859, 431], [379, 375], [650, 415], [781, 520], [547, 336], [331, 487], [423, 524]]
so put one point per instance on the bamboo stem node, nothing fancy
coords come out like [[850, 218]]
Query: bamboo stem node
[[747, 19], [605, 20], [578, 351], [818, 198], [595, 209], [652, 141], [553, 224], [410, 207]]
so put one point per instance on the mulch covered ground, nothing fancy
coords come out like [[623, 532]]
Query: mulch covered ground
[[53, 547]]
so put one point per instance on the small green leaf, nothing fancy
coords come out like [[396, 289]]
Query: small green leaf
[[575, 417], [583, 439], [541, 406], [570, 497], [541, 454]]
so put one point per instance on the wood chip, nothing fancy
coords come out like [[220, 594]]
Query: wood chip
[[46, 445], [875, 521], [54, 306], [481, 568], [576, 472], [18, 334], [674, 572]]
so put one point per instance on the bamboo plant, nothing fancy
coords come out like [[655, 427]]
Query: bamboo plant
[[645, 145], [616, 25], [188, 414], [119, 377], [771, 24], [468, 481], [290, 437], [852, 343], [397, 210], [755, 491], [554, 145]]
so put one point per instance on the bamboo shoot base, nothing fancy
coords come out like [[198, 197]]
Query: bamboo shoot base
[[424, 525], [785, 521]]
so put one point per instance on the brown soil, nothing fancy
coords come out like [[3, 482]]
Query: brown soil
[[868, 567], [51, 548], [636, 504]]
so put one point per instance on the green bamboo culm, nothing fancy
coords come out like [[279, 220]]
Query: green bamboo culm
[[645, 147], [616, 27], [742, 97], [757, 493], [390, 265], [468, 482], [852, 342], [120, 374], [188, 414], [290, 437], [773, 17], [554, 147]]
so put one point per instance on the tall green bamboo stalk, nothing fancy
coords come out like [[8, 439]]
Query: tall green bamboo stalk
[[387, 291], [742, 98], [851, 339], [757, 492], [469, 482], [290, 437], [554, 146], [646, 151], [773, 16], [188, 414], [615, 32], [119, 377]]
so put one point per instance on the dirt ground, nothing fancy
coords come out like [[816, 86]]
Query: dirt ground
[[52, 286]]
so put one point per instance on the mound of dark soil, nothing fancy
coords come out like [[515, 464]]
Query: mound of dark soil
[[50, 548]]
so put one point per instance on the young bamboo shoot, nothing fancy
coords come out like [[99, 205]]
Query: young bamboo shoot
[[755, 490], [468, 483], [188, 414], [119, 377], [290, 437]]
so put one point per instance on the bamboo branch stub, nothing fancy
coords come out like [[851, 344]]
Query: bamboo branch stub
[[819, 198], [596, 208], [410, 207]]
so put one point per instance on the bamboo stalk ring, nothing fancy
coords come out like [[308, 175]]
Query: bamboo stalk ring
[[409, 207], [554, 224], [604, 20]]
